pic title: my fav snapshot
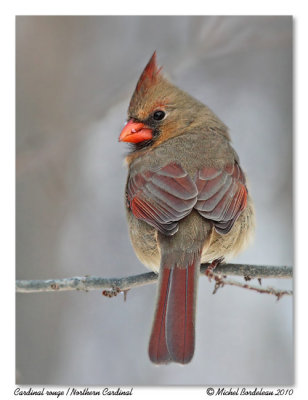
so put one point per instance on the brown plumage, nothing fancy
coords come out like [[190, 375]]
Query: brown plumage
[[186, 199]]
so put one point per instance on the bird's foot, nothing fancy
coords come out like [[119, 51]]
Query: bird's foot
[[114, 291], [209, 271]]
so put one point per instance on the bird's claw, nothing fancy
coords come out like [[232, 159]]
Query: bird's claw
[[211, 267], [114, 291]]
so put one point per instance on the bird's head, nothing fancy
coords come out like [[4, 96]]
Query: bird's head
[[159, 111]]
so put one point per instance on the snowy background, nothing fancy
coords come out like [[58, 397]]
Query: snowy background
[[74, 79]]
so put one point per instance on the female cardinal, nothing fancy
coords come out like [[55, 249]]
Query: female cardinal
[[186, 201]]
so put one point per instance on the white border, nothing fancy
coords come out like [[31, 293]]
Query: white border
[[7, 156]]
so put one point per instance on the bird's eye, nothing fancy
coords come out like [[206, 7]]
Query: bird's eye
[[159, 115]]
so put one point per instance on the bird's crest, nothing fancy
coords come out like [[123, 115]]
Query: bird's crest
[[149, 75]]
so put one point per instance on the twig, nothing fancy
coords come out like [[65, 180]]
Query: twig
[[87, 283], [220, 281]]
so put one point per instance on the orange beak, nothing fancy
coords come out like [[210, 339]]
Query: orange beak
[[135, 132]]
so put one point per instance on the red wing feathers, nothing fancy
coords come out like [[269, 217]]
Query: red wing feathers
[[162, 198], [222, 195], [165, 196]]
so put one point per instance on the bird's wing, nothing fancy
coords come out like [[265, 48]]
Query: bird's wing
[[222, 195], [165, 196]]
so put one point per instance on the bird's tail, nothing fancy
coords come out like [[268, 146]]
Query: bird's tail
[[173, 331]]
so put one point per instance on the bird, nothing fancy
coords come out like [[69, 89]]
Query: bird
[[186, 201]]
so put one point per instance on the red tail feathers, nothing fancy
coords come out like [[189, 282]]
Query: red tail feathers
[[173, 332]]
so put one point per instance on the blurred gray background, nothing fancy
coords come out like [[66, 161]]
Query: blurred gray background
[[74, 79]]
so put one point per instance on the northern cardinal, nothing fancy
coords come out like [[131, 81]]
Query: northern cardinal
[[186, 201]]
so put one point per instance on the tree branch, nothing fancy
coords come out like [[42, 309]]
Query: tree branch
[[116, 285]]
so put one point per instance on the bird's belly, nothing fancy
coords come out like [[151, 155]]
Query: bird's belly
[[144, 241]]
